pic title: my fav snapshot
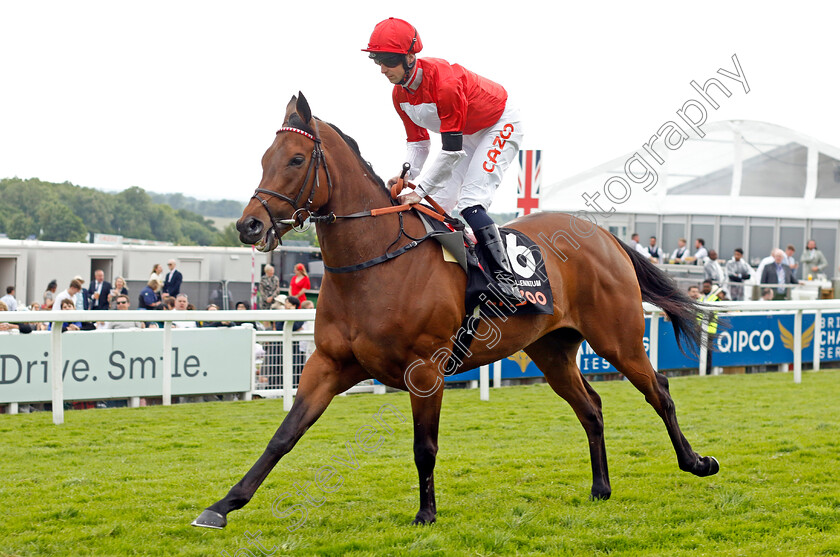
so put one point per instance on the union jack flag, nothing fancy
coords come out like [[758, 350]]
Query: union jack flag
[[528, 195]]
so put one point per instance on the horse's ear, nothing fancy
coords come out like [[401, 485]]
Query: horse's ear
[[290, 109], [303, 108]]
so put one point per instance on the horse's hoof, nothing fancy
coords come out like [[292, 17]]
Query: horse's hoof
[[210, 519], [600, 495], [714, 466], [423, 518]]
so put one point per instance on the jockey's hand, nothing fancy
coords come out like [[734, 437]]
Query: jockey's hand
[[393, 181], [410, 198]]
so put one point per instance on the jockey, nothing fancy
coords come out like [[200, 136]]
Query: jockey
[[480, 135]]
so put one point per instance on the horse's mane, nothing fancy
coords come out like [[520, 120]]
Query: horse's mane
[[297, 122]]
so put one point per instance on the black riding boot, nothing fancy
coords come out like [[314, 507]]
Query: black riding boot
[[490, 240]]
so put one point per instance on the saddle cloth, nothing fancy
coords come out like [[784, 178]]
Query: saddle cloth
[[526, 263]]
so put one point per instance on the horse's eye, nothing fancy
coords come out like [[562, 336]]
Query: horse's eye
[[297, 160]]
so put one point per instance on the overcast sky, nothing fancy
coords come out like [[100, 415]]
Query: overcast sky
[[184, 96]]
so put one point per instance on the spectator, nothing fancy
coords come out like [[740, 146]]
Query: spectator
[[767, 294], [653, 251], [168, 304], [214, 307], [299, 283], [181, 304], [778, 273], [293, 302], [737, 271], [767, 261], [307, 346], [148, 296], [9, 299], [172, 283], [23, 328], [242, 306], [119, 288], [49, 294], [712, 269], [82, 298], [67, 304], [681, 253], [69, 294], [813, 260], [709, 293], [269, 287], [40, 325], [157, 274], [789, 260], [701, 254], [123, 303], [694, 293], [99, 291]]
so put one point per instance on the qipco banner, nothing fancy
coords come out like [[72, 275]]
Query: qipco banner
[[769, 338], [125, 363]]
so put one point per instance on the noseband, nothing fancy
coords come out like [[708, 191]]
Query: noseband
[[298, 218]]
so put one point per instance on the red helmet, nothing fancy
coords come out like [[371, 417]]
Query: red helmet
[[394, 35]]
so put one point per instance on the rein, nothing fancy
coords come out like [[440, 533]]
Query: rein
[[296, 221]]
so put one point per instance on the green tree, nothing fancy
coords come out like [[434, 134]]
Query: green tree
[[60, 224], [228, 237], [21, 226]]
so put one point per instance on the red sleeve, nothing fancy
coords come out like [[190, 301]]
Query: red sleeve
[[305, 283], [413, 132]]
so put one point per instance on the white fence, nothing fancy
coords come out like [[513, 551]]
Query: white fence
[[56, 361], [286, 340]]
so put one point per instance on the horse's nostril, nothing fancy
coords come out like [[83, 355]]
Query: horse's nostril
[[250, 228]]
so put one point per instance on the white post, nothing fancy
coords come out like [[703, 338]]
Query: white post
[[287, 371], [134, 402], [484, 382], [378, 389], [55, 368], [704, 344], [497, 374], [167, 364], [797, 347], [654, 340], [13, 408], [817, 338]]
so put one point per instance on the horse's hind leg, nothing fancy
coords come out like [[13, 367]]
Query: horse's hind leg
[[555, 355], [624, 349], [320, 382]]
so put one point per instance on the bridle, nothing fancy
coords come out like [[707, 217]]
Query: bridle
[[298, 221], [303, 216]]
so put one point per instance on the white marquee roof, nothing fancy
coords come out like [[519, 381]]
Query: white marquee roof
[[740, 168]]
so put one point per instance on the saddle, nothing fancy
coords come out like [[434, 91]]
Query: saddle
[[526, 263]]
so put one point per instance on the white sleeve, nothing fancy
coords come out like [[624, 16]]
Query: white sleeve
[[440, 170], [416, 153]]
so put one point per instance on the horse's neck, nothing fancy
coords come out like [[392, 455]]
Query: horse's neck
[[355, 240]]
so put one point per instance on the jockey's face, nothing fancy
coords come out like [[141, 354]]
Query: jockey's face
[[396, 74]]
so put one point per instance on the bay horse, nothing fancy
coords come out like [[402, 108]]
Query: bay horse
[[382, 320]]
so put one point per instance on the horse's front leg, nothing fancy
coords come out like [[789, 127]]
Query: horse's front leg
[[321, 380], [425, 407]]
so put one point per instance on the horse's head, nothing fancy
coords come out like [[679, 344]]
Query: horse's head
[[294, 183]]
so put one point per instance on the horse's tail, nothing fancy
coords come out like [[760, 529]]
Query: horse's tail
[[662, 291]]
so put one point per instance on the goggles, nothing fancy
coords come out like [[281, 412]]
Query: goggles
[[387, 59]]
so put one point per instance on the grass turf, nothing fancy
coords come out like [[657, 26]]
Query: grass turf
[[512, 476]]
